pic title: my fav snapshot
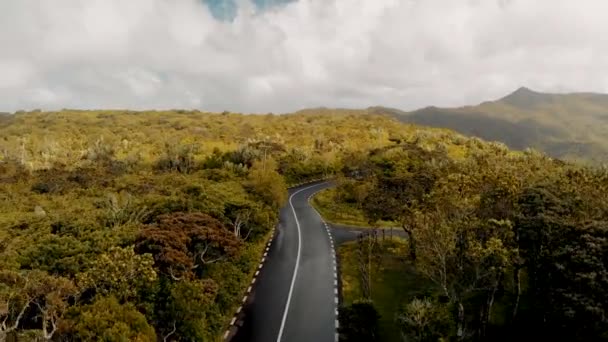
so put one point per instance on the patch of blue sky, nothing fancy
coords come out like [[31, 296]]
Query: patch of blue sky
[[226, 9]]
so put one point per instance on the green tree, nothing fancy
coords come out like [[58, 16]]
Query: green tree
[[119, 272], [16, 296], [188, 312], [20, 291], [52, 300], [267, 184], [108, 320], [566, 263]]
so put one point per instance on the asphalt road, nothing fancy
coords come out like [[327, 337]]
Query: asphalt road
[[295, 295]]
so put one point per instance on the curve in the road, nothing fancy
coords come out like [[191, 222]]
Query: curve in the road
[[295, 297]]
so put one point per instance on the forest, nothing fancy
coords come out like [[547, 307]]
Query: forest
[[141, 226], [145, 226], [500, 246]]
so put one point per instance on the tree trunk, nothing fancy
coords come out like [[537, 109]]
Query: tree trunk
[[460, 331], [517, 282], [412, 242], [482, 316], [487, 312], [363, 268]]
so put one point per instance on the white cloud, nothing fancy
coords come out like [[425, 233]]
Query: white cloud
[[337, 53]]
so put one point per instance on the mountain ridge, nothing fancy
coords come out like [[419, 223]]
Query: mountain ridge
[[569, 126]]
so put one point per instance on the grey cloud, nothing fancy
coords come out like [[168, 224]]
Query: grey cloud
[[336, 53]]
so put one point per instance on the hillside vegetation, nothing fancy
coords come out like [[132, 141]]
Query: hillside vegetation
[[120, 225], [514, 246], [566, 126]]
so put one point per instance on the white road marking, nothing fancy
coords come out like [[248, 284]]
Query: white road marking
[[257, 272], [239, 309], [337, 324], [295, 269], [244, 299], [249, 289], [226, 334], [233, 320], [252, 281]]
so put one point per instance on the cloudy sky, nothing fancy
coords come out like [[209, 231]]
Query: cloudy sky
[[276, 57]]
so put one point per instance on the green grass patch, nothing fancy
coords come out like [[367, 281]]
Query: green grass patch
[[394, 282], [339, 212]]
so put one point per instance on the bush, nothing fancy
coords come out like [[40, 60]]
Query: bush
[[108, 320], [41, 188], [424, 320], [359, 322], [178, 158]]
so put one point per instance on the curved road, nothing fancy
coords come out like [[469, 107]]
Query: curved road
[[295, 295]]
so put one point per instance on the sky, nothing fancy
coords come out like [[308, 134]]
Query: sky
[[276, 56]]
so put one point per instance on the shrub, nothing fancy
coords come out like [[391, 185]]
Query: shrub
[[359, 322], [108, 320], [424, 320]]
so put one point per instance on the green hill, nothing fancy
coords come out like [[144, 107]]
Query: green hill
[[569, 126]]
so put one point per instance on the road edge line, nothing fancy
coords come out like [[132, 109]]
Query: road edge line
[[336, 271]]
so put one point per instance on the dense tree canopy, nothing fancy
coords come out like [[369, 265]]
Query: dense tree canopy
[[149, 225], [515, 244], [153, 219]]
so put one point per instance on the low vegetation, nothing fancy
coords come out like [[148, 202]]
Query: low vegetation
[[339, 210]]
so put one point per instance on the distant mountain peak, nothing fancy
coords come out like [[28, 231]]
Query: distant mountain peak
[[525, 97], [523, 91]]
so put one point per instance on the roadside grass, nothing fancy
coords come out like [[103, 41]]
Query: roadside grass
[[394, 282], [337, 212]]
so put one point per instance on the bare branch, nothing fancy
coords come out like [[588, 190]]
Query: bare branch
[[202, 256], [247, 236], [19, 316], [173, 276], [170, 333]]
